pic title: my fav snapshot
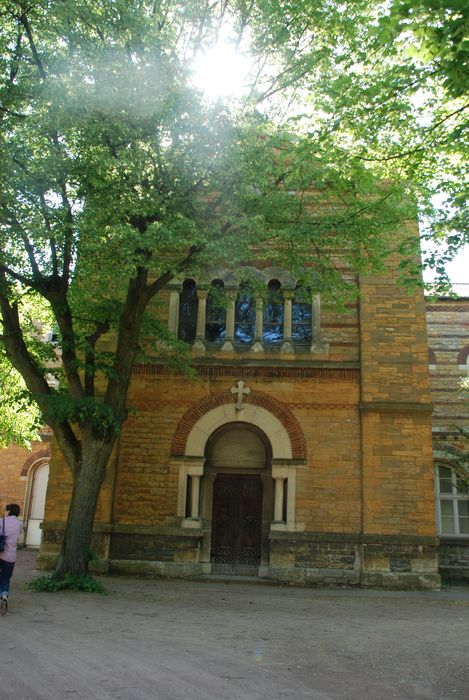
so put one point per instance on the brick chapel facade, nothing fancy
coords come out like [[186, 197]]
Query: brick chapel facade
[[303, 451]]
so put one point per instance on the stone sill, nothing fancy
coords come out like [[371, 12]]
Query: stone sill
[[354, 538], [108, 529], [454, 540]]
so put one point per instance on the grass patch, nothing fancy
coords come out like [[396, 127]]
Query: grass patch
[[85, 584]]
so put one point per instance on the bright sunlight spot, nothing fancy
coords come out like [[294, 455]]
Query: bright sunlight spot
[[222, 71]]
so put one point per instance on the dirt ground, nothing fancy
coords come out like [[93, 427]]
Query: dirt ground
[[174, 640]]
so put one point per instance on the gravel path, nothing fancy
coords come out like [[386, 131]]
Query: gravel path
[[175, 640]]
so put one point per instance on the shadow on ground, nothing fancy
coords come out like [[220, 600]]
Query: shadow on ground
[[174, 640]]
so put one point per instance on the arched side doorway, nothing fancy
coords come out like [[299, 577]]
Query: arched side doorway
[[38, 478], [237, 460]]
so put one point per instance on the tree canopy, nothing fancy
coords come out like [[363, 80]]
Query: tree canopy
[[386, 83], [118, 175]]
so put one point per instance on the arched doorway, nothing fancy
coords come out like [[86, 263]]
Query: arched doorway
[[238, 498], [237, 433], [38, 479]]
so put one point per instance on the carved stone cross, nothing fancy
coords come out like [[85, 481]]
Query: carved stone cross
[[240, 390]]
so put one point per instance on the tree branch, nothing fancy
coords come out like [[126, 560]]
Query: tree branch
[[25, 22], [163, 279], [18, 277], [63, 316], [13, 114], [90, 367], [53, 247], [29, 248], [417, 149], [67, 259], [14, 65]]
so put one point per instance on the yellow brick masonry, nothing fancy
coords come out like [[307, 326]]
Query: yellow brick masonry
[[144, 475], [368, 433], [398, 489]]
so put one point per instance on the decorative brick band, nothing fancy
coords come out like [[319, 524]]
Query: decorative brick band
[[319, 374], [43, 455], [256, 398], [447, 307]]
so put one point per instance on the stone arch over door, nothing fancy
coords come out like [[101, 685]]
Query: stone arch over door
[[259, 413], [261, 410]]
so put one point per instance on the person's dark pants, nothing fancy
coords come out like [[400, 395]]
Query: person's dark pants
[[6, 570]]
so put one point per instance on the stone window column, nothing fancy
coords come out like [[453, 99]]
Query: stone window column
[[316, 308], [318, 344], [258, 345], [195, 496], [195, 472], [230, 322], [284, 475], [287, 345], [173, 312], [278, 499], [199, 343]]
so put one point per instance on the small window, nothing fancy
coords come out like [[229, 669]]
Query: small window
[[273, 314], [215, 323], [302, 316], [245, 316], [453, 503], [188, 305]]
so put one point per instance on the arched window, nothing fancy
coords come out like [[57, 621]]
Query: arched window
[[273, 314], [188, 304], [215, 320], [245, 316], [453, 503], [302, 316]]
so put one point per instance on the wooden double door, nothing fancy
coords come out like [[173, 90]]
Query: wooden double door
[[236, 524]]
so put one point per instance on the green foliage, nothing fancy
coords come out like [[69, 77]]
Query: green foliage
[[83, 584], [396, 95], [20, 418], [92, 556], [90, 410], [386, 84], [457, 454]]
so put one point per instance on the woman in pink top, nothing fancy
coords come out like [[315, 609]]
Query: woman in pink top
[[12, 527]]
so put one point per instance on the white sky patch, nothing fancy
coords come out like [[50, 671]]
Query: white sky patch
[[457, 269], [222, 71]]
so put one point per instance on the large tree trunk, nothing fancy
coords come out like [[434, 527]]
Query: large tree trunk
[[88, 478]]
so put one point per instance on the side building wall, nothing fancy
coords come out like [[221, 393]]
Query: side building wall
[[448, 337], [398, 488], [18, 468]]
